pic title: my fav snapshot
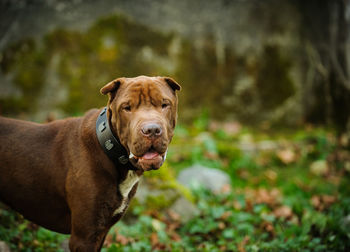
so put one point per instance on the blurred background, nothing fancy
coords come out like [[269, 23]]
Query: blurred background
[[265, 102]]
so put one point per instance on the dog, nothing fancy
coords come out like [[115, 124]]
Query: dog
[[77, 175]]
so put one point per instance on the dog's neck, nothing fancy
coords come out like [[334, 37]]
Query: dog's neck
[[109, 143]]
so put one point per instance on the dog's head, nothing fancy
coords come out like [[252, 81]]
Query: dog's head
[[142, 112]]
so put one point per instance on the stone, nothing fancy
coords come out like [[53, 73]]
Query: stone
[[149, 195], [200, 176], [186, 209], [64, 245], [158, 198], [4, 247], [345, 224]]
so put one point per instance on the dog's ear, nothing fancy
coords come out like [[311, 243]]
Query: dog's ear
[[111, 86], [173, 84]]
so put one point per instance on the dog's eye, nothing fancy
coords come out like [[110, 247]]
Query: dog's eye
[[127, 108]]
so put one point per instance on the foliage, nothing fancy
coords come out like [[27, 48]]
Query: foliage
[[25, 236]]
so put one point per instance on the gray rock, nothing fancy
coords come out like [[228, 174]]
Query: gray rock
[[176, 201], [65, 245], [345, 225], [186, 209], [144, 191], [198, 175], [4, 247]]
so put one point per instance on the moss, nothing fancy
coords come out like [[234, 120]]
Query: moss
[[110, 48], [117, 46], [228, 150], [273, 82], [164, 179], [27, 63], [158, 202]]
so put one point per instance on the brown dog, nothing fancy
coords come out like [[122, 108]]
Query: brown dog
[[57, 174]]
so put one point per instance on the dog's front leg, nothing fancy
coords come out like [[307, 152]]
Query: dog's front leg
[[87, 234]]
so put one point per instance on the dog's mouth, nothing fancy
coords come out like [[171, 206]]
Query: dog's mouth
[[149, 160]]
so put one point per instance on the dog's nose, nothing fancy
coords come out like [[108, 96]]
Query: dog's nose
[[151, 130]]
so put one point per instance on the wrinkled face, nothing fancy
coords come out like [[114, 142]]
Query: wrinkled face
[[143, 112]]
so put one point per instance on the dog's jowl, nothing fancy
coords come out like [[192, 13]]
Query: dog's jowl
[[78, 175]]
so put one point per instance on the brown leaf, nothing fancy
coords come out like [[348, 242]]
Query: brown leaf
[[283, 212], [175, 237], [211, 155], [268, 227], [109, 240], [223, 248], [226, 188], [344, 140], [319, 167], [270, 175], [154, 239], [122, 239], [243, 243], [225, 215], [249, 205], [237, 205], [230, 128], [321, 202], [173, 215], [328, 199], [316, 202], [221, 225], [173, 226], [263, 196], [287, 156], [244, 174]]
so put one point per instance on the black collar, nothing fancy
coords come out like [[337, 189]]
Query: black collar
[[109, 143]]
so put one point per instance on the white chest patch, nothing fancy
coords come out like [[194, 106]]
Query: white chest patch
[[125, 187]]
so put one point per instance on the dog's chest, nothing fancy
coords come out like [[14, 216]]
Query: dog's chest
[[124, 188]]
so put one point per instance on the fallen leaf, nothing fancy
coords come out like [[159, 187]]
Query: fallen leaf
[[328, 199], [243, 243], [225, 215], [230, 128], [109, 240], [263, 196], [283, 212], [173, 226], [270, 175], [237, 205], [221, 225], [319, 167], [226, 188], [244, 174], [268, 227], [321, 202], [173, 215], [122, 239], [270, 198], [154, 239], [223, 248], [344, 140], [316, 201], [347, 166], [156, 224], [175, 237], [287, 156]]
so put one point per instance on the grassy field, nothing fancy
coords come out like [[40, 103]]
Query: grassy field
[[290, 192]]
